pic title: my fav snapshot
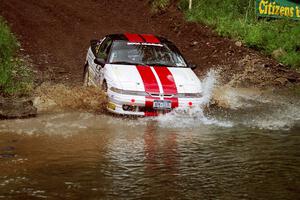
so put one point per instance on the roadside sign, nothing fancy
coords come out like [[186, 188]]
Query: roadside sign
[[278, 8]]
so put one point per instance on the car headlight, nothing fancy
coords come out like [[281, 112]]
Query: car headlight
[[189, 95], [128, 92]]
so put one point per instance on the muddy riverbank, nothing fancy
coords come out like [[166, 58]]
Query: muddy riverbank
[[56, 35]]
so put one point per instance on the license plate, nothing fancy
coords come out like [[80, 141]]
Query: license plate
[[161, 104]]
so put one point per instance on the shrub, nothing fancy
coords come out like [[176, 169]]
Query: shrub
[[15, 76], [237, 19], [160, 4]]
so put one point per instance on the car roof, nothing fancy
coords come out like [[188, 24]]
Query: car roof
[[135, 37]]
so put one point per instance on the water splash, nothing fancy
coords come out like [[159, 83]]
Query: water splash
[[194, 117], [208, 85], [67, 110], [247, 107], [255, 108], [60, 98], [279, 112], [236, 98]]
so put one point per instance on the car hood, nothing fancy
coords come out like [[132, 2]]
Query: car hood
[[155, 79]]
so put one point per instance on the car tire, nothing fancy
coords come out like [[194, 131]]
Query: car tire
[[86, 76], [104, 86], [104, 89]]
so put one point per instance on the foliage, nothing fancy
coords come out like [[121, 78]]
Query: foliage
[[160, 4], [237, 19], [15, 76]]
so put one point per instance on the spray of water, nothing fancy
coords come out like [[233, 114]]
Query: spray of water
[[258, 109], [248, 107], [194, 117], [235, 107], [61, 98], [279, 112]]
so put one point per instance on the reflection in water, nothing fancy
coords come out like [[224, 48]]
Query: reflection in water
[[234, 152], [161, 161], [150, 147], [131, 159], [169, 155]]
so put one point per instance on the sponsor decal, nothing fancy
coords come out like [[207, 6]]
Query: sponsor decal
[[278, 8], [111, 106], [144, 43]]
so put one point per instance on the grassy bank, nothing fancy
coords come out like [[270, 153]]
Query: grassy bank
[[236, 19], [160, 4], [15, 77]]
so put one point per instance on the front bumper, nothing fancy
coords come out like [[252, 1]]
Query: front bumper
[[140, 106]]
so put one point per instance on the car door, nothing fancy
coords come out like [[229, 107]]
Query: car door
[[100, 51]]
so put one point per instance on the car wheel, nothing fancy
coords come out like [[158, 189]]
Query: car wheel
[[86, 76], [104, 86], [104, 89]]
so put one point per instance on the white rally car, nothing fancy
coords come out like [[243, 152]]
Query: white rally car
[[142, 74]]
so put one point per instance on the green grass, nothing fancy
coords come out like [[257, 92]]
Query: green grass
[[15, 77], [237, 19], [159, 4]]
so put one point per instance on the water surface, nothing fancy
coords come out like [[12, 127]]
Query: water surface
[[87, 156], [241, 144]]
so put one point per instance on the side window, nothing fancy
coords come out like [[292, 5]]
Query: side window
[[95, 44], [103, 50]]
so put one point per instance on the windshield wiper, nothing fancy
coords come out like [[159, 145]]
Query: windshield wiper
[[127, 63]]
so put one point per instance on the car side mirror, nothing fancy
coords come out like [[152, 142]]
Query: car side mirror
[[95, 42], [100, 61], [192, 66]]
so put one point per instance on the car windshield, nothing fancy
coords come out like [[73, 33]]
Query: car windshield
[[124, 52]]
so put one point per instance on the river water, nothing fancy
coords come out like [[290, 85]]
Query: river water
[[246, 147]]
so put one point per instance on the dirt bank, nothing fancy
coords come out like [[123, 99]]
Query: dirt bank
[[55, 34]]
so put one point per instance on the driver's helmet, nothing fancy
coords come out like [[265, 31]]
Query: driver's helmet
[[148, 54]]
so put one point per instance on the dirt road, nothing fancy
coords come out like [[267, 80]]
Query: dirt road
[[56, 33]]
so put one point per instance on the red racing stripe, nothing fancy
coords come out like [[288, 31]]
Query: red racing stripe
[[168, 83], [133, 37], [149, 79], [150, 84], [166, 79], [150, 38], [151, 114]]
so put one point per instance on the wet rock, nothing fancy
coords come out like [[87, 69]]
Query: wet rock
[[194, 43], [238, 43], [281, 80], [16, 108]]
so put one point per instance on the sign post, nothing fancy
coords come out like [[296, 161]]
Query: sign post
[[190, 4]]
